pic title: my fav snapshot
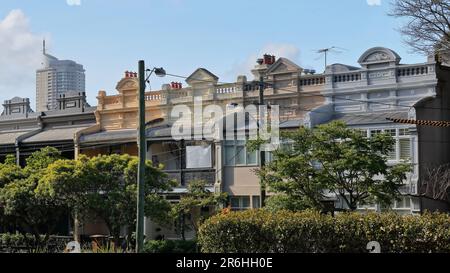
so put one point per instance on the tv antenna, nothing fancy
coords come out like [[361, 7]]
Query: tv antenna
[[325, 51]]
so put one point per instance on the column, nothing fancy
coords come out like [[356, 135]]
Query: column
[[218, 186]]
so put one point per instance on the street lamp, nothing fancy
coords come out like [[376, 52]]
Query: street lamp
[[142, 142]]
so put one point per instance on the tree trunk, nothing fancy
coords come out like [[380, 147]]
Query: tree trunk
[[183, 224], [76, 228]]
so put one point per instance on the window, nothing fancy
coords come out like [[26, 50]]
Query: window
[[405, 149], [240, 152], [198, 157], [415, 204], [269, 157], [363, 133], [256, 202], [237, 154], [240, 202], [375, 132], [404, 132], [402, 149], [391, 132], [404, 203], [252, 158]]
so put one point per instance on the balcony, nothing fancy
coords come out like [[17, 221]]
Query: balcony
[[185, 176]]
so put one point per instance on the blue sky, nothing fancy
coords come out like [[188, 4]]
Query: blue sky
[[110, 36]]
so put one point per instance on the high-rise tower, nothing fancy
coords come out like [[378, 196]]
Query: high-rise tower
[[57, 77]]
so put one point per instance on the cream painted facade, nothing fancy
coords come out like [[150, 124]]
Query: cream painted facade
[[288, 86], [362, 96]]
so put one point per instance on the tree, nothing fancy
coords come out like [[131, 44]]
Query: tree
[[21, 203], [198, 196], [106, 187], [286, 202], [334, 159], [9, 172], [437, 183], [428, 28]]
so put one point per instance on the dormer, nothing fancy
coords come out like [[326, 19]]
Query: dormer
[[17, 107], [72, 101], [379, 57]]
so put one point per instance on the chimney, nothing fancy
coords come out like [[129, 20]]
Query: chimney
[[268, 59], [263, 65], [176, 85], [129, 74]]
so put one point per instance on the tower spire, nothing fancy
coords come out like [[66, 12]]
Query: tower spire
[[43, 46]]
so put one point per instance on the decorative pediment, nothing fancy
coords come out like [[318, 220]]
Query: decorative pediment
[[19, 100], [379, 55], [128, 84], [283, 65], [203, 76]]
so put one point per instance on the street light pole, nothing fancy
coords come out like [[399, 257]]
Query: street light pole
[[262, 154], [142, 145]]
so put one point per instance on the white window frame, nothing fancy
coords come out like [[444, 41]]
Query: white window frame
[[397, 138]]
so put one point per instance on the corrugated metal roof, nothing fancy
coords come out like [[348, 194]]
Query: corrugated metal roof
[[10, 138], [110, 136], [369, 118], [55, 134], [295, 123]]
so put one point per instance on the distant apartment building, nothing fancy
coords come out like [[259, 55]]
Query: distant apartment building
[[57, 77]]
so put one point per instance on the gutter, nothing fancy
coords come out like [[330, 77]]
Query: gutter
[[76, 138]]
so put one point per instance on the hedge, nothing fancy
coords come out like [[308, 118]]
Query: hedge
[[17, 242], [260, 231], [169, 246]]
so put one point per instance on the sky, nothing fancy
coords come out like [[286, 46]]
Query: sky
[[224, 36]]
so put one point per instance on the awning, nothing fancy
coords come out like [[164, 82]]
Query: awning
[[110, 136], [370, 118], [10, 138], [55, 134]]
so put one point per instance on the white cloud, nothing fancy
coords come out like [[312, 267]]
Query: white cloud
[[288, 51], [20, 56], [374, 2], [73, 2]]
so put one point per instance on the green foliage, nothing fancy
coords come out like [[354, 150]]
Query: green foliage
[[191, 204], [168, 246], [9, 171], [334, 158], [106, 187], [284, 202], [20, 203], [261, 231], [16, 240], [40, 160]]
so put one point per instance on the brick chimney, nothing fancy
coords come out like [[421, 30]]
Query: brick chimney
[[263, 65]]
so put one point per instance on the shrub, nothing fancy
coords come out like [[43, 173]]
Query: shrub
[[260, 231], [169, 246]]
